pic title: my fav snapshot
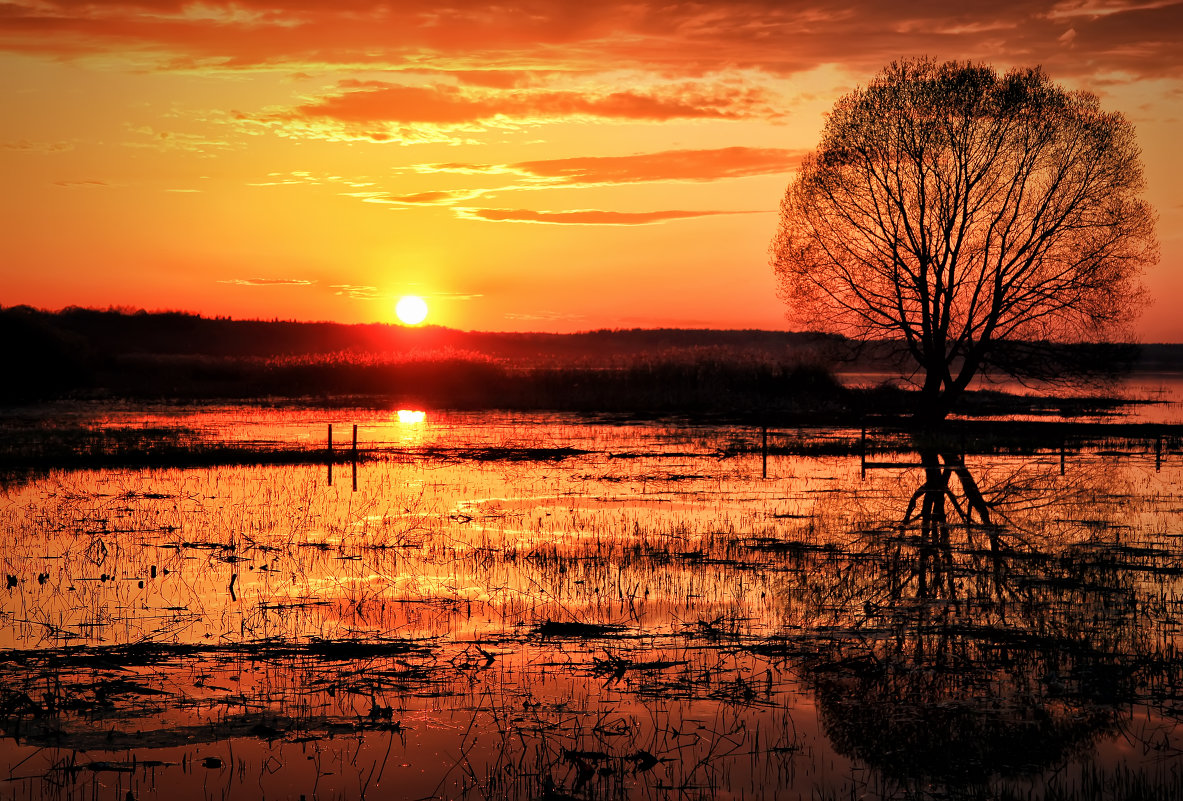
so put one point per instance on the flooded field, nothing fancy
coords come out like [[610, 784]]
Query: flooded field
[[539, 606]]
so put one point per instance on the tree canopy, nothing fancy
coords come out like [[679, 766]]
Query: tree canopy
[[954, 210]]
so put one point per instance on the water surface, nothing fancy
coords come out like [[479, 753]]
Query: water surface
[[533, 606]]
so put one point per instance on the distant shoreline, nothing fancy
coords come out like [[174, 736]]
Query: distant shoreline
[[775, 375]]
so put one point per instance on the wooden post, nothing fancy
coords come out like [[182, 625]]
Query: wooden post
[[1063, 448], [329, 452], [1158, 453], [764, 452], [353, 455], [863, 451]]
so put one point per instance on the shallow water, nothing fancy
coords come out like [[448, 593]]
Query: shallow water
[[1152, 396], [647, 617]]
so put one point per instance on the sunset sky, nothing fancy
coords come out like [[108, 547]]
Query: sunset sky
[[547, 166]]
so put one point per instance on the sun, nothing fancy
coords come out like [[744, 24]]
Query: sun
[[411, 309]]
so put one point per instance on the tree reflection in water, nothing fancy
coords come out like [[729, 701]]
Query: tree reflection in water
[[991, 631]]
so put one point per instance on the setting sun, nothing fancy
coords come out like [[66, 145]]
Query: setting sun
[[411, 310]]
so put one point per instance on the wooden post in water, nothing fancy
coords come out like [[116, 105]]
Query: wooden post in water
[[1158, 453], [354, 457], [863, 451], [1063, 448], [329, 452], [764, 451]]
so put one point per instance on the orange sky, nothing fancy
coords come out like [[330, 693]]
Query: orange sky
[[548, 166]]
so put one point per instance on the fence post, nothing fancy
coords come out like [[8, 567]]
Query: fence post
[[764, 452], [329, 452]]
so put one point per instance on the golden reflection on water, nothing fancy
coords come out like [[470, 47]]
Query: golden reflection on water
[[814, 630]]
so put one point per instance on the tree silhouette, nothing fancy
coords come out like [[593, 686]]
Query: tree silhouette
[[952, 211]]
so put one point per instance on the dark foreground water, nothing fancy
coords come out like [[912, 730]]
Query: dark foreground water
[[542, 607]]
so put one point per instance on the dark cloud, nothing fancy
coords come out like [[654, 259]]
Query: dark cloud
[[510, 46]]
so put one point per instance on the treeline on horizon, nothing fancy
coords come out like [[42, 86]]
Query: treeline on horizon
[[119, 353], [123, 331]]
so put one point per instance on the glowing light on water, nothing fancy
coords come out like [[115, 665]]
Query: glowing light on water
[[411, 416]]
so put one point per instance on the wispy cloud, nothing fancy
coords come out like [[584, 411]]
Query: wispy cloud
[[83, 184], [1104, 8], [455, 295], [542, 316], [436, 198], [584, 216], [37, 147], [156, 139], [356, 291], [307, 178], [266, 282], [574, 172], [669, 165]]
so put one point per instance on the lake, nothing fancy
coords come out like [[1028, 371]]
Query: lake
[[489, 605]]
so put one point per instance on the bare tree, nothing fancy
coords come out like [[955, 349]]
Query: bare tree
[[954, 211]]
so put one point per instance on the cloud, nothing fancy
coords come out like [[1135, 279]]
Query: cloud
[[585, 216], [574, 172], [266, 282], [379, 101], [86, 184], [542, 316], [668, 165], [37, 147], [455, 295], [356, 291], [1103, 8], [380, 111], [437, 198], [501, 78], [175, 140], [508, 47], [304, 177]]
